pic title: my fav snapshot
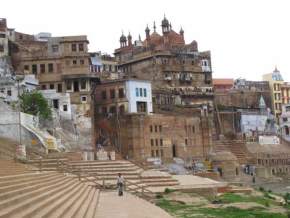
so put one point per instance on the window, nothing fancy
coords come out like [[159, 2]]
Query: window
[[2, 35], [54, 48], [9, 93], [122, 109], [161, 142], [145, 92], [157, 153], [34, 69], [152, 153], [43, 87], [156, 142], [59, 87], [160, 128], [110, 68], [151, 128], [42, 68], [51, 86], [141, 92], [81, 47], [64, 107], [74, 62], [74, 47], [82, 62], [121, 93], [156, 128], [112, 93], [1, 48], [69, 85], [26, 67], [83, 84], [113, 109], [50, 67], [161, 153], [186, 141], [152, 142], [193, 129], [137, 92], [104, 110], [104, 95], [84, 99]]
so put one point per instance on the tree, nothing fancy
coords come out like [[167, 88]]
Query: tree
[[35, 104]]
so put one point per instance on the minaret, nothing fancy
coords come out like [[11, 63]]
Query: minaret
[[123, 40], [129, 37], [154, 27], [147, 31], [181, 32], [165, 26]]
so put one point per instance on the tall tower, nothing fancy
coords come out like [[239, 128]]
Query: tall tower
[[165, 25], [123, 40]]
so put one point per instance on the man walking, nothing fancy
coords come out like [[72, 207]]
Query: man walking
[[120, 184]]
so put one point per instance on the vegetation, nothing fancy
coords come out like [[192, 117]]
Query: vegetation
[[185, 211], [225, 209], [35, 104]]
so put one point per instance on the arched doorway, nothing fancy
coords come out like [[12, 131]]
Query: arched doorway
[[174, 154], [286, 130]]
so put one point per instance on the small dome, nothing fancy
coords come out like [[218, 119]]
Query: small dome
[[165, 22], [123, 38]]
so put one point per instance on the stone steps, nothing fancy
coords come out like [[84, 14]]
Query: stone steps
[[47, 195]]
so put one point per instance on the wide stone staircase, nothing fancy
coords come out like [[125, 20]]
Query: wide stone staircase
[[237, 147], [106, 172], [47, 194]]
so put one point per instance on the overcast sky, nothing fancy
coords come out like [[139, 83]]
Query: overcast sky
[[247, 38]]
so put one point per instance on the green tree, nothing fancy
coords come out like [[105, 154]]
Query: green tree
[[35, 104]]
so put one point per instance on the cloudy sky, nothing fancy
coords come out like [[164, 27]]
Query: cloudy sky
[[247, 38]]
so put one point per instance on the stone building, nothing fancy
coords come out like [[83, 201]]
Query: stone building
[[275, 81], [222, 85], [285, 90], [169, 83], [3, 38], [123, 96], [60, 63], [285, 122], [170, 64], [105, 66]]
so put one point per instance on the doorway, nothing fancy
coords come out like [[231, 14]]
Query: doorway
[[174, 151]]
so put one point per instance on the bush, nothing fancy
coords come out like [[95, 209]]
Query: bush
[[261, 189], [267, 204], [158, 196], [270, 191], [167, 191]]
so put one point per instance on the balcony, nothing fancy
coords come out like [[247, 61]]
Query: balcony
[[168, 78]]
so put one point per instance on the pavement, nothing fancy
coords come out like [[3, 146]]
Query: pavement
[[128, 206]]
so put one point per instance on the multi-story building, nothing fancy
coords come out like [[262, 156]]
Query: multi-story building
[[285, 90], [275, 81], [222, 85], [170, 64], [104, 65], [3, 38], [60, 63], [123, 96], [285, 122], [176, 120]]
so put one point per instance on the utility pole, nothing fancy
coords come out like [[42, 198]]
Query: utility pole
[[19, 111]]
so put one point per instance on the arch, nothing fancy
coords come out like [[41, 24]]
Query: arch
[[286, 130], [174, 153], [273, 171]]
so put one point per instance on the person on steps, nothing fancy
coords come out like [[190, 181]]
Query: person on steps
[[120, 184]]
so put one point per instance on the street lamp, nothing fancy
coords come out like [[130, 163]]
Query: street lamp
[[19, 78]]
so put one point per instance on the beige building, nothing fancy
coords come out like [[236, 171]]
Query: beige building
[[60, 63], [276, 82]]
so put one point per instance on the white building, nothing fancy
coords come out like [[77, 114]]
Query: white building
[[139, 95], [9, 87], [285, 122], [60, 102]]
